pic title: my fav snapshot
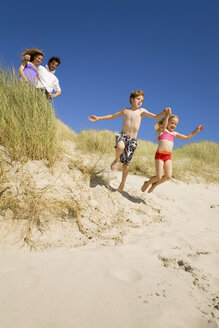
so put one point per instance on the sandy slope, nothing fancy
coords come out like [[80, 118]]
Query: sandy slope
[[141, 261]]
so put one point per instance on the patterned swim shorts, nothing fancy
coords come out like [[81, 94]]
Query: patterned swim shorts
[[130, 146]]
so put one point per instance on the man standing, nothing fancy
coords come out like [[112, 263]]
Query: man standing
[[47, 79]]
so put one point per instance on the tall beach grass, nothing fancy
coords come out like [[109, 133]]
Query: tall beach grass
[[199, 159], [65, 133], [96, 141], [27, 120]]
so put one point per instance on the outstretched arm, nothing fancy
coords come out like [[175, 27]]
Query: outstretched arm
[[157, 116], [94, 118], [191, 135]]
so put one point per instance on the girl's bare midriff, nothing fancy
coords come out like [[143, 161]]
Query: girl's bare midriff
[[165, 145]]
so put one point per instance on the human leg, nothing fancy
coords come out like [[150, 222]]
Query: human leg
[[124, 154], [167, 175], [119, 149], [124, 176], [159, 164]]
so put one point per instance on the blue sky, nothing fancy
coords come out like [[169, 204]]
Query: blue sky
[[167, 48]]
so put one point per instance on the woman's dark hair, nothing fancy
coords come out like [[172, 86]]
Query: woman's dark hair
[[32, 53]]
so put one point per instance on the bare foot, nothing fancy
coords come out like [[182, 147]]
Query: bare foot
[[145, 186], [114, 165], [120, 189], [153, 186]]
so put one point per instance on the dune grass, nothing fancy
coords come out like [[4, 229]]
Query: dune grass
[[96, 141], [200, 159], [36, 211], [65, 133], [27, 120]]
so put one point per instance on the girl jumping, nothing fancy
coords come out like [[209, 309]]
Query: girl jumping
[[163, 163]]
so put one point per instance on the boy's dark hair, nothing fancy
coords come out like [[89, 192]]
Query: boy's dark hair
[[57, 59], [135, 94]]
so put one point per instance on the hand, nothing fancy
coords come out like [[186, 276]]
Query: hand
[[51, 95], [200, 128], [27, 57], [93, 118], [167, 110]]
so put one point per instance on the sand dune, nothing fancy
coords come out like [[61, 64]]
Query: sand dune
[[130, 260]]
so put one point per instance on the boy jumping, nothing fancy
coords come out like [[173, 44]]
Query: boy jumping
[[126, 140]]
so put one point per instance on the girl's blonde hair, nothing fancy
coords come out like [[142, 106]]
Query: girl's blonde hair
[[158, 125], [32, 52]]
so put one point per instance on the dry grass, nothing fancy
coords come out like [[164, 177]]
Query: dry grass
[[94, 141], [89, 170], [143, 159], [200, 160], [65, 133], [31, 206], [27, 120]]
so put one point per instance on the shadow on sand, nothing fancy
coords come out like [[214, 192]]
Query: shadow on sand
[[132, 198], [99, 181]]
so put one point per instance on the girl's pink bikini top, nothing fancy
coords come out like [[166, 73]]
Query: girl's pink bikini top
[[166, 136]]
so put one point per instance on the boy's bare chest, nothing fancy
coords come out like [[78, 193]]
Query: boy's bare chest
[[130, 115]]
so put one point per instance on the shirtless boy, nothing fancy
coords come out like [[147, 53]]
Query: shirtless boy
[[126, 141]]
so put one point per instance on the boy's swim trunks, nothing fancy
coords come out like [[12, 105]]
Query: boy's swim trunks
[[130, 146], [163, 155]]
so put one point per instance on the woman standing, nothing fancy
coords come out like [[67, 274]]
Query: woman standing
[[31, 58]]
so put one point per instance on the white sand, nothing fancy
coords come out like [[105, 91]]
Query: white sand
[[145, 260]]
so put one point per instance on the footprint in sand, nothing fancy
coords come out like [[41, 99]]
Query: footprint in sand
[[125, 273]]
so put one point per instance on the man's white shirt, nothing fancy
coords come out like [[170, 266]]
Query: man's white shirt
[[47, 79]]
